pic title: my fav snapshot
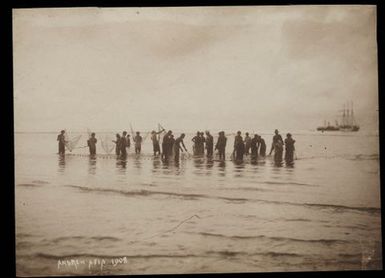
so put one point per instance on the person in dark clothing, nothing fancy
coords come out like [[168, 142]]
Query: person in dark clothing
[[171, 143], [202, 144], [247, 143], [123, 145], [262, 147], [178, 144], [289, 148], [239, 147], [254, 144], [92, 144], [209, 144], [62, 142], [165, 145], [196, 139], [117, 143], [155, 141], [276, 137], [278, 151], [138, 142], [221, 145]]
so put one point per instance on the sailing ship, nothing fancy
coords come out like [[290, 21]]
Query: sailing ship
[[348, 122]]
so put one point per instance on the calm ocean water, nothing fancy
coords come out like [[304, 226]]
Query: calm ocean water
[[144, 216]]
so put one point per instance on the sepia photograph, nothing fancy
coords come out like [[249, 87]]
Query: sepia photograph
[[205, 139]]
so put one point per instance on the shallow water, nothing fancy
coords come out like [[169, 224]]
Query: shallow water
[[323, 213]]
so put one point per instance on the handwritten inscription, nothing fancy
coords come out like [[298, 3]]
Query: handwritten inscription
[[91, 263]]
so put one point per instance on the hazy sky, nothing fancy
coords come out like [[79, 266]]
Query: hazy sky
[[227, 68]]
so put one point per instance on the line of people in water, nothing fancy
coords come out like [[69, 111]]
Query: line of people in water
[[171, 147]]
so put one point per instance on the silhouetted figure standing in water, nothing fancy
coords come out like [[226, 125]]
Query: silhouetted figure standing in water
[[117, 144], [178, 144], [202, 144], [92, 144], [289, 149], [209, 144], [138, 142], [62, 142], [155, 141], [197, 143], [247, 143], [278, 151], [239, 147], [171, 143], [262, 146], [123, 145], [165, 145], [254, 144], [276, 137], [221, 145]]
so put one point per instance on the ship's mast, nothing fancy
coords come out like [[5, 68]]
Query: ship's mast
[[344, 117], [348, 115], [353, 120]]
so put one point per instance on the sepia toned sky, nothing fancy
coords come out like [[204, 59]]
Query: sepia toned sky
[[230, 68]]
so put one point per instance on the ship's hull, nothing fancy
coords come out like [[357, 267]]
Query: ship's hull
[[350, 128], [328, 128], [334, 128]]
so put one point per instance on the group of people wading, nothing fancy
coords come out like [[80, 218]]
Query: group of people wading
[[171, 147], [123, 142]]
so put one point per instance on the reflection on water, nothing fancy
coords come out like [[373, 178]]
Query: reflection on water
[[198, 165], [222, 169], [62, 163], [281, 163], [238, 169], [121, 164], [92, 164], [278, 163], [156, 164], [165, 163], [209, 164], [137, 162], [290, 164]]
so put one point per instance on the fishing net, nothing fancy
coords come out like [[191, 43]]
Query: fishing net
[[107, 143], [133, 134], [71, 141], [146, 136]]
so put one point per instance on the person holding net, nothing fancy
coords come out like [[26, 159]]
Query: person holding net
[[155, 141], [62, 142]]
